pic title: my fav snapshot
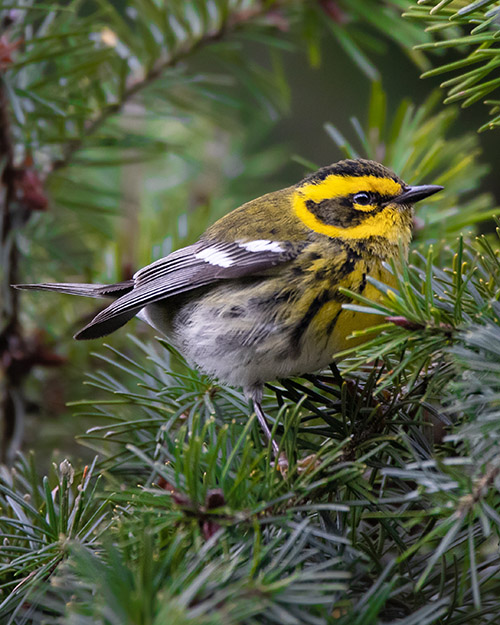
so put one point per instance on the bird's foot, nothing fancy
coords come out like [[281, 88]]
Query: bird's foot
[[281, 464], [304, 465], [308, 464]]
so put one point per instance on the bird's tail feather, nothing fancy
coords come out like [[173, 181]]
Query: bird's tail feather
[[86, 290], [90, 290], [96, 331]]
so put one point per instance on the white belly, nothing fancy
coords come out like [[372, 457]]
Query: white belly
[[235, 344]]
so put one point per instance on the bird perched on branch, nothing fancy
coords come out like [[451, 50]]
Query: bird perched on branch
[[257, 297]]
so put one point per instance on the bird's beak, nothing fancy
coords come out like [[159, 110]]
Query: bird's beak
[[414, 194]]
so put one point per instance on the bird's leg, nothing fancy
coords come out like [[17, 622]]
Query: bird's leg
[[280, 458], [306, 464], [264, 425]]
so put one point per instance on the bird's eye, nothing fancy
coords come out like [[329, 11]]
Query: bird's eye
[[361, 198]]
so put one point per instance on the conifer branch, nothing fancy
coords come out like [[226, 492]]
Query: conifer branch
[[463, 27], [231, 24], [480, 489]]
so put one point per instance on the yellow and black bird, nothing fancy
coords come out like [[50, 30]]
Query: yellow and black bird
[[257, 297]]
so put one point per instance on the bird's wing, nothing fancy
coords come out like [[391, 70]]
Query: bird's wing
[[194, 266]]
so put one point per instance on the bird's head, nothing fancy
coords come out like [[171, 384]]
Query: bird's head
[[358, 200]]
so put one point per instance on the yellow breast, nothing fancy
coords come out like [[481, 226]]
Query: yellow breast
[[333, 324]]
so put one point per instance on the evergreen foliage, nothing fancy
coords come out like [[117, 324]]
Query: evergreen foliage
[[467, 25], [181, 518]]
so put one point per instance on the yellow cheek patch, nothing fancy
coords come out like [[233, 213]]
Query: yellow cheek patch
[[338, 186], [383, 224]]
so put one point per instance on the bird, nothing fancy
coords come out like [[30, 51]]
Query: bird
[[258, 297]]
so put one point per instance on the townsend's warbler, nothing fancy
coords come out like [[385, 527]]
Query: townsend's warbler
[[257, 297]]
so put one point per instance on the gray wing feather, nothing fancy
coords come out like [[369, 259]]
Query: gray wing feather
[[77, 288], [189, 268]]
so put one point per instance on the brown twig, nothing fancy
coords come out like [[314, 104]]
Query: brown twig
[[467, 502], [21, 193], [9, 312]]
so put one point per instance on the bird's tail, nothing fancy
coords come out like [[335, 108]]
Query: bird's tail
[[87, 290], [113, 291]]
